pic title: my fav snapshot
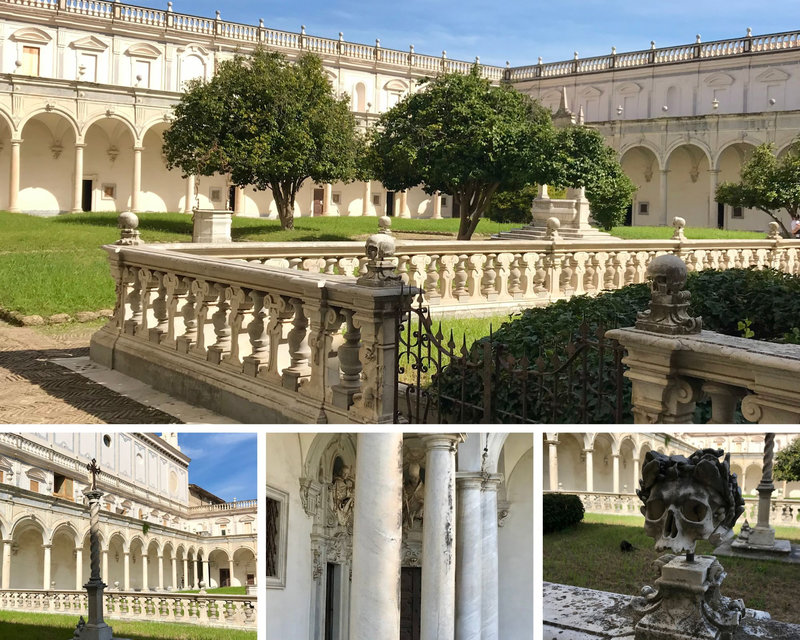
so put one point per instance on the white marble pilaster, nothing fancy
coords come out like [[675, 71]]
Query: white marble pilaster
[[207, 573], [137, 178], [553, 459], [6, 580], [403, 211], [439, 538], [327, 190], [589, 469], [160, 572], [145, 584], [189, 203], [377, 536], [174, 568], [663, 194], [105, 564], [13, 181], [126, 577], [185, 584], [366, 207], [77, 190], [469, 545], [230, 572], [78, 568], [437, 205], [491, 597], [615, 460], [46, 577]]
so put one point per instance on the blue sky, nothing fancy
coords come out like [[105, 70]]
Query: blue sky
[[223, 463], [516, 31]]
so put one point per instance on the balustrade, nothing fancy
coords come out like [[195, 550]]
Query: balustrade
[[260, 333], [204, 609]]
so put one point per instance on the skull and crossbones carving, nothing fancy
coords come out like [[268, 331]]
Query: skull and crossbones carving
[[689, 499]]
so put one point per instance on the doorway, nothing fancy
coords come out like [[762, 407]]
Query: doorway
[[224, 577], [629, 216], [332, 602], [410, 602], [720, 215], [231, 198], [316, 207], [86, 195], [390, 203]]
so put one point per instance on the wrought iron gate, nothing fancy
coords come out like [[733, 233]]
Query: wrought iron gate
[[441, 380]]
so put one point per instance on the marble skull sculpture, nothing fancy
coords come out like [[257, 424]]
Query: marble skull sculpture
[[689, 499]]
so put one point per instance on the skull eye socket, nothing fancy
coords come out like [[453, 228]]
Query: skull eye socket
[[655, 509], [694, 511]]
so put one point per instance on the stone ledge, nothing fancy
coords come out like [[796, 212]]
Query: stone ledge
[[34, 320]]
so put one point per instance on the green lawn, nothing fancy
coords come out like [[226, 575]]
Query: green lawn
[[588, 555], [691, 233], [44, 626], [235, 591]]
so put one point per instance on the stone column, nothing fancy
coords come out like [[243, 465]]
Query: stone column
[[589, 470], [553, 452], [438, 539], [377, 534], [186, 584], [145, 585], [126, 584], [46, 576], [713, 179], [615, 466], [663, 194], [174, 565], [230, 572], [207, 573], [13, 182], [77, 192], [402, 211], [105, 563], [238, 206], [190, 202], [763, 534], [78, 568], [6, 581], [491, 598], [137, 178], [469, 556], [327, 188], [366, 208], [437, 205], [160, 572]]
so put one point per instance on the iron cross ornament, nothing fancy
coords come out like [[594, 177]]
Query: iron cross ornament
[[95, 471]]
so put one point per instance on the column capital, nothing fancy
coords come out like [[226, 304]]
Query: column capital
[[469, 480], [80, 145], [138, 147], [16, 141], [47, 546], [491, 482], [441, 440], [589, 450]]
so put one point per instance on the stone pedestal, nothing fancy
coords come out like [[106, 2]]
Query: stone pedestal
[[687, 604], [211, 225]]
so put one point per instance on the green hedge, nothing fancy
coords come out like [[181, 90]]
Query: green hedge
[[560, 510], [767, 301]]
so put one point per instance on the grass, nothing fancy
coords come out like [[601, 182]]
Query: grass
[[588, 555], [54, 265], [233, 591], [45, 626], [692, 233]]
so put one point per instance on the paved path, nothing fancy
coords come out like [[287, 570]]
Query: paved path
[[35, 390]]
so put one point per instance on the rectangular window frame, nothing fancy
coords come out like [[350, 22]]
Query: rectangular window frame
[[737, 213], [282, 498], [29, 55], [376, 199], [63, 487], [644, 209]]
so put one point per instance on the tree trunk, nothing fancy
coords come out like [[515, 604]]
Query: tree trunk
[[784, 231], [472, 203], [285, 206]]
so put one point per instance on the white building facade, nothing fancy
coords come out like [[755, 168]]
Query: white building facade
[[389, 535], [154, 536], [86, 90]]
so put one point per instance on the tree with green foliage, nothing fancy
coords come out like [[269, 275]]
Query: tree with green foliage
[[461, 135], [267, 123], [767, 183], [787, 462]]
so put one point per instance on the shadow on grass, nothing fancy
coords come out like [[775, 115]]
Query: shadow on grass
[[146, 222], [20, 631]]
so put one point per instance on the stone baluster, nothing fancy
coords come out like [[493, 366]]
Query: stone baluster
[[241, 306], [580, 259], [724, 399], [488, 288], [323, 324], [553, 267], [176, 293], [460, 291], [502, 264], [475, 279], [431, 285], [447, 275], [349, 363], [281, 313], [160, 311], [188, 340], [298, 370], [515, 290], [149, 285], [221, 324], [417, 270], [528, 274], [312, 265], [134, 319], [330, 266], [347, 266], [402, 268], [599, 262], [205, 297], [257, 332], [567, 272]]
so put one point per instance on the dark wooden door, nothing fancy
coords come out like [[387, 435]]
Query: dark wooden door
[[319, 194], [232, 199], [390, 203], [224, 577], [330, 584], [410, 602], [86, 195], [720, 215], [629, 216]]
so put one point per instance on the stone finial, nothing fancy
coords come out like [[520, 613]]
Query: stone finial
[[553, 225], [774, 231], [128, 224], [679, 224], [669, 301], [379, 249], [749, 32]]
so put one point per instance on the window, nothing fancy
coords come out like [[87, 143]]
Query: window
[[30, 61], [223, 531], [247, 526], [376, 200], [444, 201], [87, 67], [2, 477], [215, 194], [738, 212], [109, 193], [62, 487], [644, 208], [35, 486], [141, 73], [336, 198], [277, 535]]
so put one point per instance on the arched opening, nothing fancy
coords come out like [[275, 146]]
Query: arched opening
[[5, 159], [63, 568], [27, 556], [162, 190], [752, 476], [360, 97], [108, 166], [219, 569], [641, 165], [116, 562], [689, 186], [571, 465], [152, 567], [47, 164], [135, 565], [730, 164], [168, 554], [192, 66], [603, 463], [244, 568], [628, 473]]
